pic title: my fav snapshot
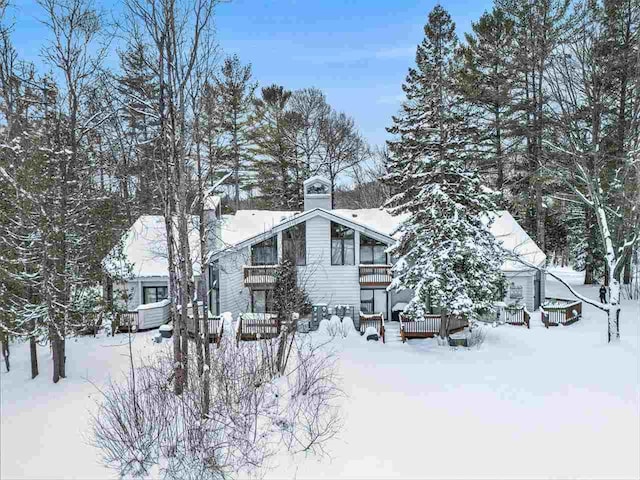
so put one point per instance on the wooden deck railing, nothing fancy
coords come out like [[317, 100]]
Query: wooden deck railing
[[126, 321], [517, 315], [428, 326], [560, 311], [216, 328], [259, 275], [257, 326], [375, 320], [375, 275]]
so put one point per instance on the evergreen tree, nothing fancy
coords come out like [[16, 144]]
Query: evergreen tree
[[486, 83], [277, 164], [429, 123], [233, 106], [446, 254]]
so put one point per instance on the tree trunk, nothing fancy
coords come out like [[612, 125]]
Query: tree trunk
[[444, 326], [4, 339], [33, 351]]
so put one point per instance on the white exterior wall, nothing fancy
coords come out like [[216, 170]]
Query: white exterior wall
[[326, 283], [234, 297], [525, 280], [134, 289]]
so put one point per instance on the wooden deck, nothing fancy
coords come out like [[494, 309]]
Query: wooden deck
[[375, 275], [375, 320], [517, 315], [260, 276], [257, 326], [216, 328], [428, 327], [560, 311]]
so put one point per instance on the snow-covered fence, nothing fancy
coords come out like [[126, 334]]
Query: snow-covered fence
[[428, 326], [375, 320], [255, 326], [516, 315], [560, 311]]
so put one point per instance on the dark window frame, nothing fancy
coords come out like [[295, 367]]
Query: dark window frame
[[268, 300], [367, 243], [373, 300], [154, 287], [298, 245], [214, 285], [269, 244], [340, 236]]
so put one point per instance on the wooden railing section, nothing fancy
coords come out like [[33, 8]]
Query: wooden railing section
[[375, 320], [517, 315], [428, 326], [375, 275], [257, 326], [259, 275], [560, 311], [216, 328]]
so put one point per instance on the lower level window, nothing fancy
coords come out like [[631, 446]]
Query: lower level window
[[262, 301], [373, 301], [154, 294]]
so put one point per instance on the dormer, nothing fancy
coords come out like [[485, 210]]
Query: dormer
[[317, 193]]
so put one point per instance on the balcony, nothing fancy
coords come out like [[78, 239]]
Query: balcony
[[259, 276], [375, 275]]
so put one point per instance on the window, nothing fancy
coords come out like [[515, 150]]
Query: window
[[372, 251], [154, 294], [262, 301], [373, 301], [214, 288], [318, 188], [294, 244], [342, 245], [265, 252]]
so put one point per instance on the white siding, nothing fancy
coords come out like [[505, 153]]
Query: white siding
[[525, 280], [326, 283], [234, 297]]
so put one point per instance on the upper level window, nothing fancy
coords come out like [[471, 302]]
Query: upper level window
[[372, 251], [342, 245], [265, 252], [294, 244]]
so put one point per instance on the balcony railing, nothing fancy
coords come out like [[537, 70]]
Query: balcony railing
[[375, 275], [262, 276]]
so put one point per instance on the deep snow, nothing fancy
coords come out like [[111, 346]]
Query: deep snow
[[526, 403]]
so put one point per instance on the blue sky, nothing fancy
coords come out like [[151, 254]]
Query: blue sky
[[356, 51]]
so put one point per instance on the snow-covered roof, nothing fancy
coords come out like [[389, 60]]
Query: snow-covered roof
[[145, 249], [249, 223], [514, 239]]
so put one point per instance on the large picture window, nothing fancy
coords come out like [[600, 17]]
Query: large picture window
[[294, 244], [372, 252], [342, 245], [262, 301], [154, 294], [265, 252], [373, 301]]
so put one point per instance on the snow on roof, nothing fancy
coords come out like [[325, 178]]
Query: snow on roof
[[249, 223], [514, 239], [145, 248], [377, 219]]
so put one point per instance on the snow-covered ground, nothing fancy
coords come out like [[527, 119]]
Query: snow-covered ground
[[526, 403]]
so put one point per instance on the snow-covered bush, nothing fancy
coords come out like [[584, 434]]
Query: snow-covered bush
[[143, 428]]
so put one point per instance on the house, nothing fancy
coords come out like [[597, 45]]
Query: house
[[141, 257], [340, 256]]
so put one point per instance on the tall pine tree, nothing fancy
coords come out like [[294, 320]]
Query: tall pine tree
[[446, 253]]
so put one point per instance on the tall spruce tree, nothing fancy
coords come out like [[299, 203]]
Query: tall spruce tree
[[486, 83], [446, 253]]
